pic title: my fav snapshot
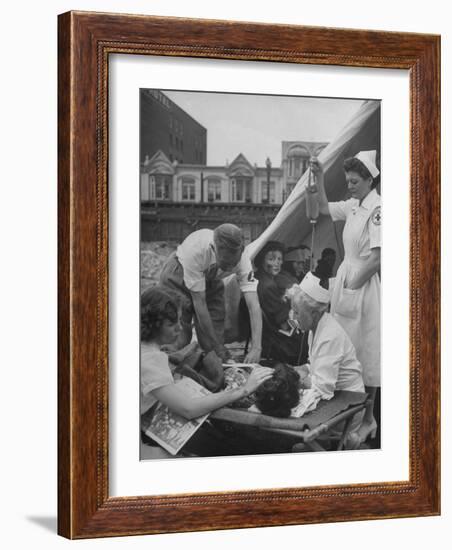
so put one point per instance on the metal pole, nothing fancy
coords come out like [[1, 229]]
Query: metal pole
[[268, 164]]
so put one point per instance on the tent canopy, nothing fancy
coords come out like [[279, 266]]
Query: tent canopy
[[291, 225]]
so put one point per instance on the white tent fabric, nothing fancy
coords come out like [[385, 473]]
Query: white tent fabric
[[291, 225]]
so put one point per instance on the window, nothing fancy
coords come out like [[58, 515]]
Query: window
[[266, 189], [297, 165], [188, 189], [239, 195], [241, 189], [178, 127], [160, 98], [213, 189], [163, 187]]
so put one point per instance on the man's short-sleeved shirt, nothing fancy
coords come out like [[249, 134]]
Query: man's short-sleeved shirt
[[198, 259], [155, 373]]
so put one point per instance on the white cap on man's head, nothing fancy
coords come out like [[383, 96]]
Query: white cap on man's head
[[369, 159], [311, 286]]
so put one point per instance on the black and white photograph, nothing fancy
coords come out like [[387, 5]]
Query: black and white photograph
[[260, 274], [193, 270]]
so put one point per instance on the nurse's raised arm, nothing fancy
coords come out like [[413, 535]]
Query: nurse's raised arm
[[317, 170]]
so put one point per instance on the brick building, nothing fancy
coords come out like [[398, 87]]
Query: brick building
[[164, 126]]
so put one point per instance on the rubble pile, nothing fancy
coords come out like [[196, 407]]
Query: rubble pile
[[153, 256]]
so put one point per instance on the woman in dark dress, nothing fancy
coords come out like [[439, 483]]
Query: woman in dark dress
[[279, 340]]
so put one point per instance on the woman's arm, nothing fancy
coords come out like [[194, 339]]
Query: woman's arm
[[188, 407], [370, 267], [317, 170]]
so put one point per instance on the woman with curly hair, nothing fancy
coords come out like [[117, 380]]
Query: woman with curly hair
[[278, 340], [160, 325]]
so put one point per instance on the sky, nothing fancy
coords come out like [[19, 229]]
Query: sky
[[255, 125]]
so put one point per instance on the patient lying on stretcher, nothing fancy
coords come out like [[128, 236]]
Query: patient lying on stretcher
[[332, 364], [277, 396]]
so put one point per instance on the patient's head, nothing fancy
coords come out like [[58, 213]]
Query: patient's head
[[279, 394]]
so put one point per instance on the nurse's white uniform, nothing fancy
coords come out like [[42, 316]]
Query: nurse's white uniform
[[332, 359], [333, 365], [358, 311]]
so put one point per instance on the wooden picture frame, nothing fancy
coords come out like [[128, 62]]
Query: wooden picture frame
[[86, 40]]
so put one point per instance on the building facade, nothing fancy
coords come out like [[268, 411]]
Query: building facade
[[238, 183], [178, 198], [181, 193], [164, 126]]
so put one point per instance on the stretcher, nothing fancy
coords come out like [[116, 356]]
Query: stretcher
[[328, 425]]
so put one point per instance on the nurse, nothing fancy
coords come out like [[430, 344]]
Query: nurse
[[355, 300]]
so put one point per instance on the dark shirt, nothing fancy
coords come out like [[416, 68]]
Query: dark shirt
[[285, 280], [275, 308], [275, 311]]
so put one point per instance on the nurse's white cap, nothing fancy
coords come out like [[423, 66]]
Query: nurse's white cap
[[369, 158], [311, 286]]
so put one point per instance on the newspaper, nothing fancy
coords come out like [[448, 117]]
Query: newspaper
[[169, 429]]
